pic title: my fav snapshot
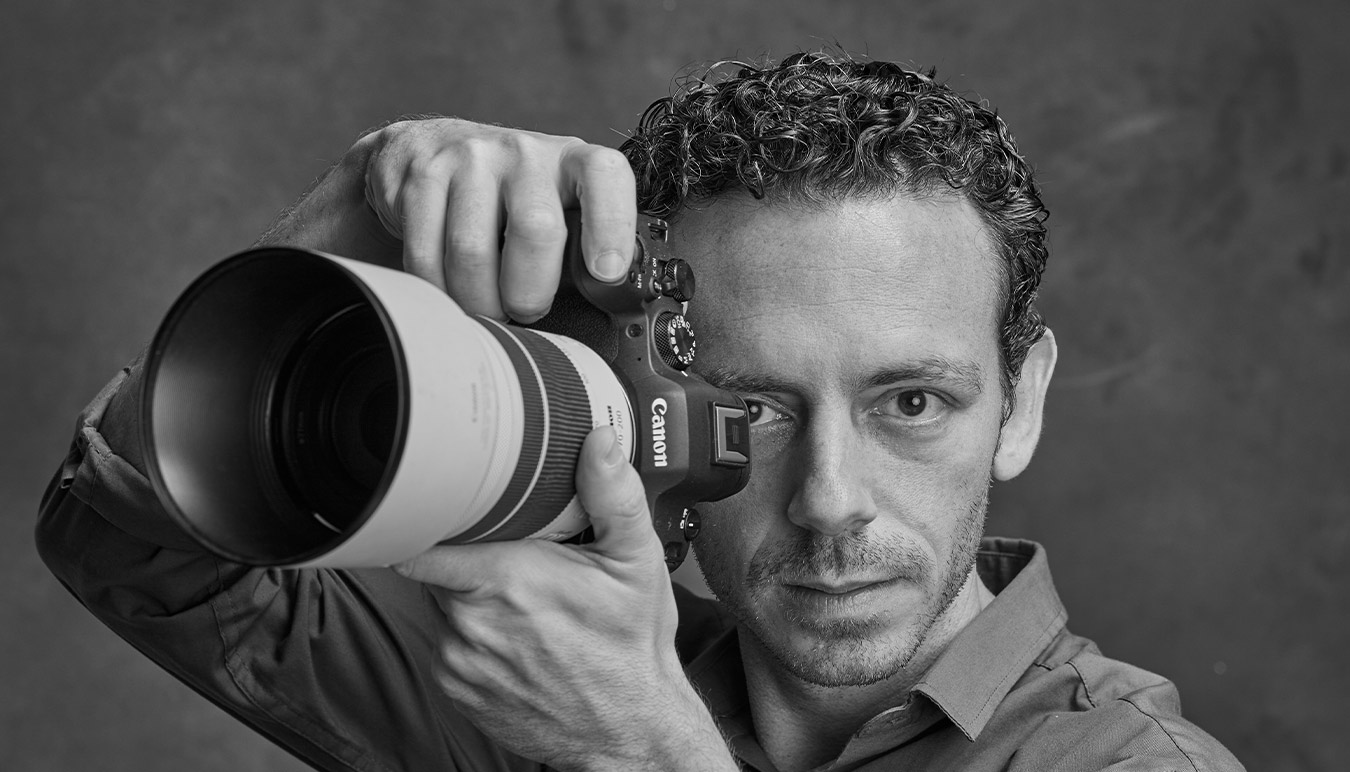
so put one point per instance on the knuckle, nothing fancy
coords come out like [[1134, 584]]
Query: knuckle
[[395, 131], [568, 144], [517, 143], [454, 678], [476, 145], [445, 677], [428, 167], [528, 144], [396, 141], [632, 499], [471, 246], [430, 143], [379, 140], [449, 655], [597, 167], [636, 504], [605, 161], [538, 223], [378, 169]]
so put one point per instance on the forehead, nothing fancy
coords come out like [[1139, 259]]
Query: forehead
[[847, 281]]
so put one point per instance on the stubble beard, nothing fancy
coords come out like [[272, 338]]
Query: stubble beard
[[847, 652]]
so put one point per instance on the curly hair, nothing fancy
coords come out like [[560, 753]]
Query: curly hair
[[819, 127]]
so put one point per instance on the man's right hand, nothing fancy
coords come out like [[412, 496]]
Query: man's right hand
[[478, 210]]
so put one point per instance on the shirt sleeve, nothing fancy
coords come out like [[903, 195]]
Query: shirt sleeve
[[335, 666]]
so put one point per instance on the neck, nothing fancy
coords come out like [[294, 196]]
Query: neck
[[801, 725]]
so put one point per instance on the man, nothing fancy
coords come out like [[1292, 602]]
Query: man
[[869, 246]]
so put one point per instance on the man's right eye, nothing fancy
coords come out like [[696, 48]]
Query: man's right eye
[[762, 413]]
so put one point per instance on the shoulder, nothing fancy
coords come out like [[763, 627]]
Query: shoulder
[[1101, 713]]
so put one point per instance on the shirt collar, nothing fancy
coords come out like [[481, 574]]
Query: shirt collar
[[981, 665], [969, 679]]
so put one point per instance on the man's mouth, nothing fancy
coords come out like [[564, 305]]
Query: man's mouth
[[840, 587]]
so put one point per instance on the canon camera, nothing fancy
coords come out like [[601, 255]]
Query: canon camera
[[303, 409]]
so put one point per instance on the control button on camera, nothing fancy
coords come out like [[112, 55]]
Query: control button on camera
[[732, 429], [677, 280], [691, 524]]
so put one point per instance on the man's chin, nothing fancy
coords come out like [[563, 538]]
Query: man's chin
[[840, 653], [836, 649]]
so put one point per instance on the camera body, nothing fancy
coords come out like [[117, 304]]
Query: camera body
[[693, 439], [303, 409]]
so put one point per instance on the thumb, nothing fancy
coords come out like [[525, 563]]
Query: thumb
[[611, 492]]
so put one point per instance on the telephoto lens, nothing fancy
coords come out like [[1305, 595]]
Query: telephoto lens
[[302, 409]]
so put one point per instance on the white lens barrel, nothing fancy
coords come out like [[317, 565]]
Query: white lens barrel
[[467, 437]]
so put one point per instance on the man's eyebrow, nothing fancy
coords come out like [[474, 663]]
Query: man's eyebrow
[[730, 379], [968, 376]]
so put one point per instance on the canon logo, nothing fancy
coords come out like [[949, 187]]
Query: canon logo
[[659, 432]]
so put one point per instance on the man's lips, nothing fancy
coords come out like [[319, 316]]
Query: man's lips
[[839, 586]]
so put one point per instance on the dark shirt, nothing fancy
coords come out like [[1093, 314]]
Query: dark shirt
[[335, 665]]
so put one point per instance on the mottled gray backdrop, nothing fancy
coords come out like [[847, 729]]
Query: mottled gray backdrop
[[1191, 486]]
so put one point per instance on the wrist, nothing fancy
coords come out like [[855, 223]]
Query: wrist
[[333, 216], [679, 733]]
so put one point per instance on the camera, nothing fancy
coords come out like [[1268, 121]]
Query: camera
[[305, 409]]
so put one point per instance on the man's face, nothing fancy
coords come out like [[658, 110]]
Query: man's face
[[863, 335]]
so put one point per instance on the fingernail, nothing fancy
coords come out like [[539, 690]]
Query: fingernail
[[615, 455], [529, 319], [611, 266]]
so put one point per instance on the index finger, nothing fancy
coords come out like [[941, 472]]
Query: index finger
[[460, 568], [601, 181]]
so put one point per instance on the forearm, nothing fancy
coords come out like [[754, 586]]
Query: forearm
[[102, 532], [333, 216], [330, 664]]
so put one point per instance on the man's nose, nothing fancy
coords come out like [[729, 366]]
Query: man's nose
[[832, 495]]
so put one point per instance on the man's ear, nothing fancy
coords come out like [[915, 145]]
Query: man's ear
[[1017, 439]]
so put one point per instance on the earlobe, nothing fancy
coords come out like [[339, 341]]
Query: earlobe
[[1020, 433]]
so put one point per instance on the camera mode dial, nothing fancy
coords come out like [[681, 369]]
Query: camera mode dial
[[675, 340]]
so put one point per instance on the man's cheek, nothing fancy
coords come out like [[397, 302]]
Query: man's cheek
[[719, 536], [724, 545]]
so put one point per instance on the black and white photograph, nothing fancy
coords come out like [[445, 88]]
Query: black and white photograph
[[680, 385]]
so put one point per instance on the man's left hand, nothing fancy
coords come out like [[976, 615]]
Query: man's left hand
[[565, 654]]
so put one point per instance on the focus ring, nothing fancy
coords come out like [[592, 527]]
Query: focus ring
[[557, 418]]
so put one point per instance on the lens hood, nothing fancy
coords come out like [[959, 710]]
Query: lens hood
[[306, 409]]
